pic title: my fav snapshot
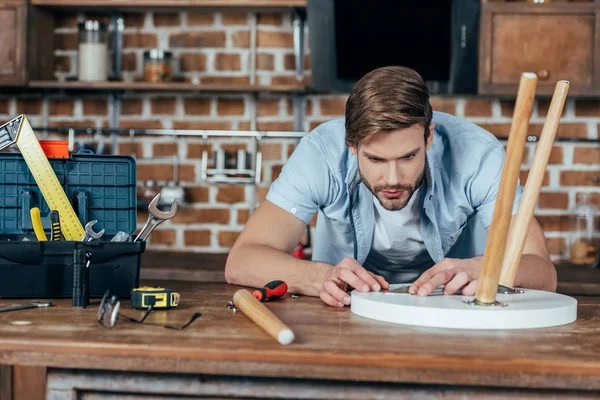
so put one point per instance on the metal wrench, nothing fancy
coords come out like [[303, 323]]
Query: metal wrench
[[35, 304], [89, 232], [155, 218]]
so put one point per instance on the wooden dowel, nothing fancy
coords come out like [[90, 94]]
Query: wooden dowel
[[520, 226], [262, 316], [496, 242]]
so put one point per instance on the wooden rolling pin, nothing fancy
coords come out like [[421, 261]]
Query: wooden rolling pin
[[262, 316], [520, 226], [497, 232]]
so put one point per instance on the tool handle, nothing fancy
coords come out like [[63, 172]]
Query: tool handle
[[497, 232], [262, 316], [86, 282], [36, 221], [271, 291], [520, 227], [17, 307], [79, 293], [150, 225], [55, 231]]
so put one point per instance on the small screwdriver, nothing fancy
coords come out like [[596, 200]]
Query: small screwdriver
[[271, 291], [55, 231]]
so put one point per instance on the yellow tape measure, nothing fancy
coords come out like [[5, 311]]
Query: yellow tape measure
[[19, 131]]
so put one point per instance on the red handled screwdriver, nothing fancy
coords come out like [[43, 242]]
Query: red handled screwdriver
[[271, 291]]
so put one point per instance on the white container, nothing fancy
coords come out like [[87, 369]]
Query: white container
[[93, 52]]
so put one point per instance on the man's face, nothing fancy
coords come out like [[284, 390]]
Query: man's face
[[392, 164]]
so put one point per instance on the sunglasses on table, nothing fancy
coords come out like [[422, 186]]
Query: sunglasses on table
[[109, 313]]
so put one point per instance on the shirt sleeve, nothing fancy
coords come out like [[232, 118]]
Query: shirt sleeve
[[485, 183], [305, 183]]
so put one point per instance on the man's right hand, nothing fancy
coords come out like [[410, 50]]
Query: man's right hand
[[349, 273]]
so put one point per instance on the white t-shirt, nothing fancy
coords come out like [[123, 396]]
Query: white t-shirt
[[398, 251]]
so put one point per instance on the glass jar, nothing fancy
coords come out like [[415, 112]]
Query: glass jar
[[157, 65], [583, 242], [93, 52]]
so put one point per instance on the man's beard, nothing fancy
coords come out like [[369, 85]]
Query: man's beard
[[394, 204]]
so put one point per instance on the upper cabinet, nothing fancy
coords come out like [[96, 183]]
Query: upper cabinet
[[12, 41], [26, 43], [556, 41], [170, 3]]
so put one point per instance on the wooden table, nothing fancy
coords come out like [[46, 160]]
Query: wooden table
[[65, 353], [207, 267]]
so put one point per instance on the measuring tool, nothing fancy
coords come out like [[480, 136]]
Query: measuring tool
[[157, 297], [18, 131]]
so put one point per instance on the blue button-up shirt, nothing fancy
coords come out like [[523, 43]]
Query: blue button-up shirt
[[462, 176]]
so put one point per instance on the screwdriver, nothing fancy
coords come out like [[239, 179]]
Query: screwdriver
[[55, 230], [271, 291]]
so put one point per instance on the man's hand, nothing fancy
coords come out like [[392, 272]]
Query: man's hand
[[349, 273], [455, 274]]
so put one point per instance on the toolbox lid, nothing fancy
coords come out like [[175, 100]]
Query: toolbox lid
[[99, 187]]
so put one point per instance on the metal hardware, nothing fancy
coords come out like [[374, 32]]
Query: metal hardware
[[34, 304], [477, 303], [252, 61], [155, 218], [231, 306], [118, 25], [299, 18], [89, 232], [219, 174], [241, 161], [205, 134], [506, 290]]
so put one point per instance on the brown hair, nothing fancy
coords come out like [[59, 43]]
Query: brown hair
[[386, 99]]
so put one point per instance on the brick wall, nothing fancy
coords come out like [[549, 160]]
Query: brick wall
[[213, 47]]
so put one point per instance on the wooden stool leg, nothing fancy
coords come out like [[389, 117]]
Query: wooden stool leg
[[497, 232], [520, 226]]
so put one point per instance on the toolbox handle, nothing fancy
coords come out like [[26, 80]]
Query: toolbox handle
[[83, 206], [26, 204], [85, 152]]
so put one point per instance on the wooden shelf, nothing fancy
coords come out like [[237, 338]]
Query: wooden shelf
[[170, 3], [163, 87]]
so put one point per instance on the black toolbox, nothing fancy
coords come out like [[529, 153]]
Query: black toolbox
[[100, 188]]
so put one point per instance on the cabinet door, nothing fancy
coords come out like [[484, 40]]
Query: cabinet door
[[552, 41], [12, 42]]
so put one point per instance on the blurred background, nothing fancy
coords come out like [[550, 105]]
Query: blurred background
[[155, 80]]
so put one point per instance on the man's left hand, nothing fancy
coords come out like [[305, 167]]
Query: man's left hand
[[454, 273]]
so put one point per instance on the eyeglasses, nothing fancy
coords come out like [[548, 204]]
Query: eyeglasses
[[109, 313]]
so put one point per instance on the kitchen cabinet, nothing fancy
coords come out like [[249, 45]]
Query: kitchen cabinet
[[556, 41], [26, 43]]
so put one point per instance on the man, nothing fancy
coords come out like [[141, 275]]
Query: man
[[402, 193]]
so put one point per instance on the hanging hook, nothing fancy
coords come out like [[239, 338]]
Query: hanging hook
[[132, 142]]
